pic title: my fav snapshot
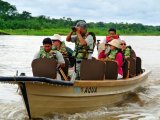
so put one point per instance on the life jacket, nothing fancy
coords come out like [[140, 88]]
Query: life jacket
[[112, 54], [108, 38], [130, 57], [82, 52], [51, 54], [129, 52], [62, 49]]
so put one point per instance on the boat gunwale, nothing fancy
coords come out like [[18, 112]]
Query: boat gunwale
[[76, 83], [111, 83], [17, 79]]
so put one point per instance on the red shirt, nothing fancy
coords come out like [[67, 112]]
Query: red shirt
[[108, 38], [102, 54]]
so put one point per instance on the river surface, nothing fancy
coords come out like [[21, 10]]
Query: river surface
[[17, 53]]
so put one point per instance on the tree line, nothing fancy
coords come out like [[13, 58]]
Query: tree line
[[10, 18]]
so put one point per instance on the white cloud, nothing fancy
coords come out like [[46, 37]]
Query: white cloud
[[139, 11]]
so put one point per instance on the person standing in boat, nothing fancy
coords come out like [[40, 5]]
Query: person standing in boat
[[46, 51], [84, 44], [115, 53]]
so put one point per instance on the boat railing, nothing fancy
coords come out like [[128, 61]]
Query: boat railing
[[20, 79]]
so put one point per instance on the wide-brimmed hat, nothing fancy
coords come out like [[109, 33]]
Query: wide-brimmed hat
[[56, 37], [115, 43]]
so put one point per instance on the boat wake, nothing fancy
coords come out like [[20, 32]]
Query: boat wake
[[12, 111]]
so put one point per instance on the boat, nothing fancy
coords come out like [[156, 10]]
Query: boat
[[47, 95]]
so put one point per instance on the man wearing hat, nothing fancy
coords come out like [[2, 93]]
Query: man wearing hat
[[84, 44], [59, 45]]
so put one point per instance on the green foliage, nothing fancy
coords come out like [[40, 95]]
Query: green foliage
[[6, 8], [44, 32], [24, 23]]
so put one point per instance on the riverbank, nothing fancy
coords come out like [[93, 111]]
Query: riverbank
[[65, 31], [3, 33]]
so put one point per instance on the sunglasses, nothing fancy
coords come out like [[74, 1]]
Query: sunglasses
[[123, 44]]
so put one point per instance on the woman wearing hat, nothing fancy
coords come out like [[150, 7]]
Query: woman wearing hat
[[116, 54]]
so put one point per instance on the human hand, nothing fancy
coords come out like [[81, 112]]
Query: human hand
[[78, 30]]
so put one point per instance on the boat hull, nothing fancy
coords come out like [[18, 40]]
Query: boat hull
[[45, 99]]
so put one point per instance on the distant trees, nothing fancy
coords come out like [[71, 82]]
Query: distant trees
[[7, 9], [10, 18]]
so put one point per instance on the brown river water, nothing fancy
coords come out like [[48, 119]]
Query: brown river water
[[17, 53]]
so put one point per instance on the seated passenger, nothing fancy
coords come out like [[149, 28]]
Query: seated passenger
[[59, 45], [127, 51], [130, 56], [111, 35], [46, 51], [116, 54]]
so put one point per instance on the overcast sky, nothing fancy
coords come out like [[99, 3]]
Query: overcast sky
[[132, 11]]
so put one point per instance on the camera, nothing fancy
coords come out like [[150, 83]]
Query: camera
[[74, 28]]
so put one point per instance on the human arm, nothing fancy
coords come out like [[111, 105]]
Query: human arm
[[68, 38], [102, 55], [81, 39], [60, 59], [104, 40], [119, 59]]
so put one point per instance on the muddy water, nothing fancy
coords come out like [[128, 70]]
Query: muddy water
[[17, 53]]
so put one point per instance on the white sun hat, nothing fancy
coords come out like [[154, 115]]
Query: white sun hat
[[115, 43], [56, 37]]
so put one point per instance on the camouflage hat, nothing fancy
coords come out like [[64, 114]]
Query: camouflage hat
[[81, 24]]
